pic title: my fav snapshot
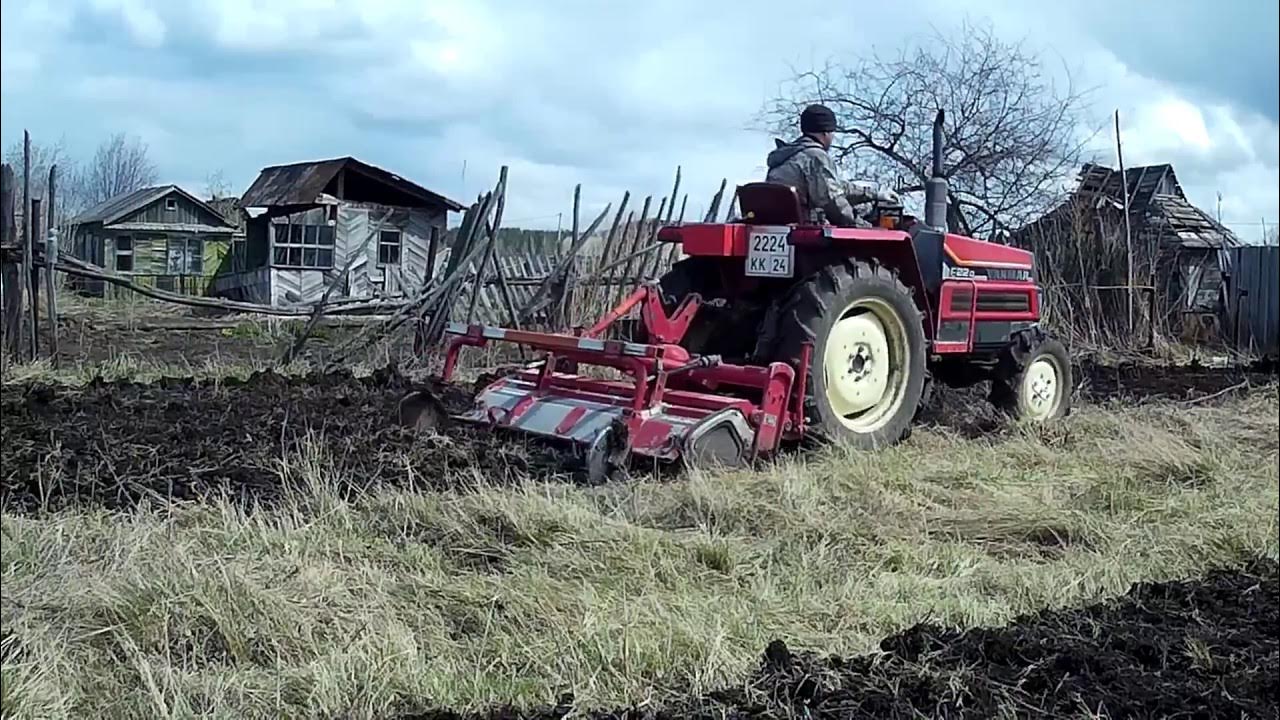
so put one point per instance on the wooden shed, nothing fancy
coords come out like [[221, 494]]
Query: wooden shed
[[1180, 250], [161, 236], [305, 221]]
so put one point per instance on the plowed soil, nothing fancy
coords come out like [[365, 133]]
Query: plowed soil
[[1204, 648], [1176, 382], [116, 444]]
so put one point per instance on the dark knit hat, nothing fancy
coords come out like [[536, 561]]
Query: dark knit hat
[[817, 119]]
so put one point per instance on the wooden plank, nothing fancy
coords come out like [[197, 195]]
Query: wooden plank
[[714, 210], [28, 257], [600, 293], [675, 193], [11, 273], [630, 268], [562, 292], [35, 244], [51, 257]]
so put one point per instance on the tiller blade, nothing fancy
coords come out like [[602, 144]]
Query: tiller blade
[[670, 405]]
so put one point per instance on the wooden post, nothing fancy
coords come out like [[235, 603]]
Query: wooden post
[[673, 252], [51, 260], [1128, 234], [675, 193], [464, 248], [487, 258], [36, 244], [629, 271], [714, 210], [12, 274], [28, 257], [433, 251], [603, 287], [561, 294]]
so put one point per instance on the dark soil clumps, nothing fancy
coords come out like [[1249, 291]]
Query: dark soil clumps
[[117, 444], [1204, 648], [1175, 382]]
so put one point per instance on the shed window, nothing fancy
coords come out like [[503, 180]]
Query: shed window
[[171, 203], [303, 246], [389, 247], [124, 253], [186, 256]]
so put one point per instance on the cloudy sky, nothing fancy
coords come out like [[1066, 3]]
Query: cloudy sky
[[612, 95]]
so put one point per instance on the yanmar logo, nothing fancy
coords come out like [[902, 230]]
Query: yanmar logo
[[986, 273]]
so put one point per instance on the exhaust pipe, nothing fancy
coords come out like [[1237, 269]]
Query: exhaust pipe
[[935, 188]]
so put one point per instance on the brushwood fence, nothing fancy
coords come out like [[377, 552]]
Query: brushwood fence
[[471, 279]]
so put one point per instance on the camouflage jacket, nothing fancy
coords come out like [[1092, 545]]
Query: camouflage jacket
[[805, 165]]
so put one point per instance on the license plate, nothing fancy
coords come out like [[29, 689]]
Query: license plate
[[769, 254]]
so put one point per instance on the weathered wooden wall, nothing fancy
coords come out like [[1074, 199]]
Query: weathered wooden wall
[[366, 278], [186, 213]]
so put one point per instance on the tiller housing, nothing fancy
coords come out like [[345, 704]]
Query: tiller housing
[[671, 404]]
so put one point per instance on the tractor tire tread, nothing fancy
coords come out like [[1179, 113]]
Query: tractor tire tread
[[799, 319]]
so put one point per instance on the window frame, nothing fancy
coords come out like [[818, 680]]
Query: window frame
[[124, 253], [398, 245], [300, 241], [171, 204], [192, 261]]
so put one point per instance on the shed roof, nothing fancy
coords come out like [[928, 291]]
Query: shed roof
[[1192, 227], [1143, 182], [304, 183], [1156, 202], [113, 209]]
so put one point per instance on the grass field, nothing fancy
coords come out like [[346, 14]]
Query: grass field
[[405, 598]]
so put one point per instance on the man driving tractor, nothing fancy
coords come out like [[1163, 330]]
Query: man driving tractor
[[806, 165]]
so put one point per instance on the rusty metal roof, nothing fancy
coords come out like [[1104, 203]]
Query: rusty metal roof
[[304, 183]]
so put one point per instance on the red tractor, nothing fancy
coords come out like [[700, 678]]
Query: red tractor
[[775, 330]]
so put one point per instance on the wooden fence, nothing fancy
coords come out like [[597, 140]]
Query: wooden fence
[[471, 280]]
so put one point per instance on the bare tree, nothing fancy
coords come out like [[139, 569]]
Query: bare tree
[[216, 185], [120, 165], [1012, 137], [70, 192]]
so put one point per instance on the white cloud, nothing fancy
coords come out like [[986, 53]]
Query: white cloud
[[612, 96], [139, 17]]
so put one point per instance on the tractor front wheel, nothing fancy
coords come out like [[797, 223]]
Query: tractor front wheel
[[867, 364], [1033, 379]]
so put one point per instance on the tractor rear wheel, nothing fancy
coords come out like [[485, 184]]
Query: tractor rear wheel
[[719, 327], [867, 365]]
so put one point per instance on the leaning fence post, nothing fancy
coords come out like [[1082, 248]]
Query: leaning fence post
[[561, 291], [28, 269], [35, 243], [51, 262], [10, 274]]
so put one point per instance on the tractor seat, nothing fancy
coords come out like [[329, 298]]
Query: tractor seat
[[766, 203]]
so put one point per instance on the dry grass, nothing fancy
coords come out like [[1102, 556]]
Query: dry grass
[[623, 593]]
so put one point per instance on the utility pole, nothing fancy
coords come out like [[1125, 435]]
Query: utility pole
[[1128, 233], [559, 221]]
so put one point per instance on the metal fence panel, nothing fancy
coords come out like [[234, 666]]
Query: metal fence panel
[[1255, 299]]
